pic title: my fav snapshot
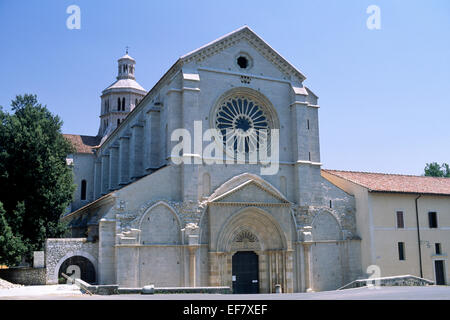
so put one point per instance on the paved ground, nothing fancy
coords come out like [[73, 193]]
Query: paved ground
[[61, 291], [64, 292]]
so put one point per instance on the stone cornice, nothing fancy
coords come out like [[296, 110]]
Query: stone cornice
[[251, 204], [308, 162], [243, 185]]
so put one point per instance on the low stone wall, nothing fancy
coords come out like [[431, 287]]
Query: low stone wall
[[25, 275], [404, 280], [169, 290], [106, 289], [220, 290]]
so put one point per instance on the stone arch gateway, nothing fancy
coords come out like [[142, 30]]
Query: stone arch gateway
[[252, 230]]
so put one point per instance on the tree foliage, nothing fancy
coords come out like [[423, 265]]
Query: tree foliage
[[36, 185], [12, 247], [435, 170]]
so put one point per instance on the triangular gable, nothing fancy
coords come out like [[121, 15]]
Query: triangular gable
[[250, 191], [251, 37]]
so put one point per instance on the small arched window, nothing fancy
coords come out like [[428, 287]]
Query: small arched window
[[118, 122], [118, 104], [83, 189], [136, 102], [123, 104]]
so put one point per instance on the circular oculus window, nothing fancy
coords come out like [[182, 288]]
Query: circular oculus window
[[243, 123]]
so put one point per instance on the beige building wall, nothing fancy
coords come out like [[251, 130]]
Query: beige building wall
[[363, 228], [376, 220]]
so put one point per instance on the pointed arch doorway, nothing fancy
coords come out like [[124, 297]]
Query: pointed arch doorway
[[245, 272]]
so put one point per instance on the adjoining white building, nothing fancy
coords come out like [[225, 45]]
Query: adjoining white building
[[403, 221], [141, 217]]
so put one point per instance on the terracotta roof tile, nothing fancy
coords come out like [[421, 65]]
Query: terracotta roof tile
[[383, 182], [83, 144]]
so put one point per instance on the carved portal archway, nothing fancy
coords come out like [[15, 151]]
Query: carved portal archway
[[245, 240], [253, 229]]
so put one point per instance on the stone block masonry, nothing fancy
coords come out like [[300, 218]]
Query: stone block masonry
[[25, 276]]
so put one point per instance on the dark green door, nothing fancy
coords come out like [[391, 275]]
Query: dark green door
[[245, 272], [439, 268]]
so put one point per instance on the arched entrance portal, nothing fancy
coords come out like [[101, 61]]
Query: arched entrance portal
[[78, 267], [255, 233], [245, 272]]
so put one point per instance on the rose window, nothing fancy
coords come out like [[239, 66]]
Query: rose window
[[243, 124]]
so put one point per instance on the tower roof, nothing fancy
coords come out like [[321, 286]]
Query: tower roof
[[125, 84], [125, 78], [126, 57]]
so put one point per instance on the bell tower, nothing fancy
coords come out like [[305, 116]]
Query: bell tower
[[121, 97]]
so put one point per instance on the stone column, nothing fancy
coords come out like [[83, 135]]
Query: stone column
[[97, 178], [308, 267], [192, 266], [124, 154], [190, 114], [220, 269], [213, 271], [148, 139], [113, 167], [301, 267], [263, 280], [305, 148], [154, 148], [136, 151], [289, 271], [105, 174], [172, 105], [106, 252]]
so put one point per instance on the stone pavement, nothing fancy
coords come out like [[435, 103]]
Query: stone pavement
[[65, 292], [41, 292]]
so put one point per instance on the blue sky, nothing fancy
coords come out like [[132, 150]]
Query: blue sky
[[384, 94]]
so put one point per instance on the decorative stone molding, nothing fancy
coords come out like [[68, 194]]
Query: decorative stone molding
[[245, 240], [130, 236], [304, 217], [187, 212], [237, 182], [191, 234]]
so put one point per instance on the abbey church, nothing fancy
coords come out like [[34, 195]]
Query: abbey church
[[141, 216]]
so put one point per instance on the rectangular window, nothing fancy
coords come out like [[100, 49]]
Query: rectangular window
[[432, 219], [438, 248], [400, 221], [401, 251]]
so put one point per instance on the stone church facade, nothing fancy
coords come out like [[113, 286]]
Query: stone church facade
[[140, 217]]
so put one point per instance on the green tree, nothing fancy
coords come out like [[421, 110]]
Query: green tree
[[36, 185], [12, 247], [435, 170]]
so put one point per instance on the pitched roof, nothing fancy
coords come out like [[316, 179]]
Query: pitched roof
[[255, 40], [83, 144], [382, 182], [214, 47]]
